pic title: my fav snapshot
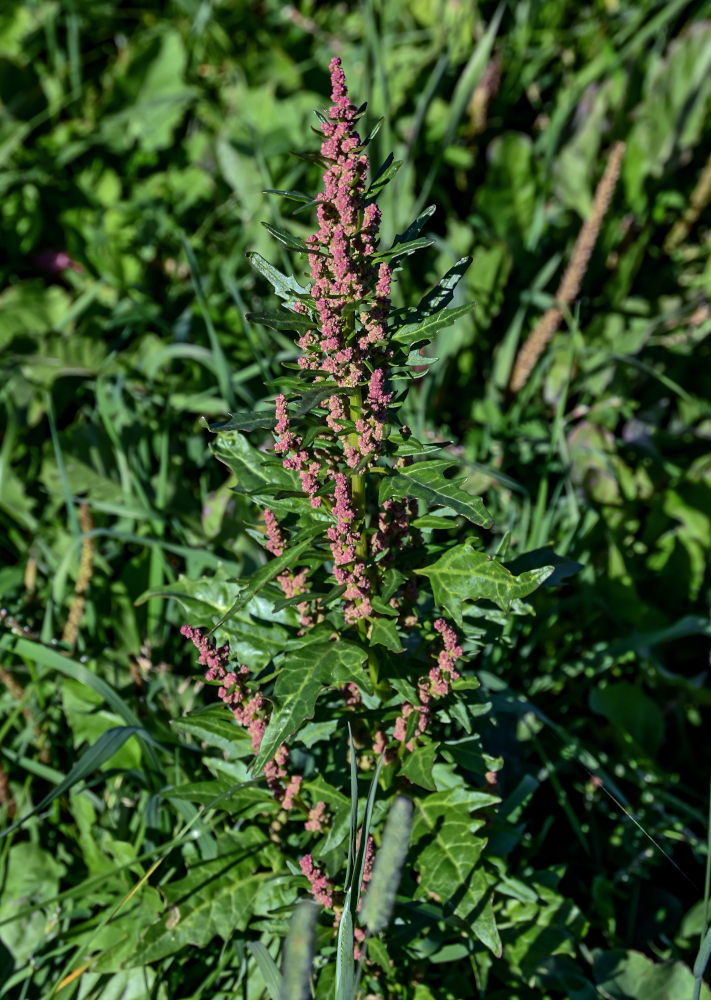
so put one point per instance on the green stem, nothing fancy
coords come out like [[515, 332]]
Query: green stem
[[358, 498]]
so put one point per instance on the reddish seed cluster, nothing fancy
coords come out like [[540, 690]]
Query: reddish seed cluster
[[249, 710], [321, 885], [437, 684], [317, 818]]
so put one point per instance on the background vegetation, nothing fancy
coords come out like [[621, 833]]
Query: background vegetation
[[134, 146]]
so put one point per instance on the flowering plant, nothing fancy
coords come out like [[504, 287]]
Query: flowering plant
[[374, 593]]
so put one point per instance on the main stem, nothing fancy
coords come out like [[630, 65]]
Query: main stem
[[358, 499]]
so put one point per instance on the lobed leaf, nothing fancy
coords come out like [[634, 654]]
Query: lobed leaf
[[467, 574]]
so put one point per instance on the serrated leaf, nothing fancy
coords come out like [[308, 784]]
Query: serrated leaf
[[303, 675], [418, 766], [261, 420], [467, 574], [449, 865], [254, 470], [385, 633], [383, 176], [425, 480], [286, 286], [443, 292], [425, 329]]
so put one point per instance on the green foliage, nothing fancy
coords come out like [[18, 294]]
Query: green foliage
[[122, 131]]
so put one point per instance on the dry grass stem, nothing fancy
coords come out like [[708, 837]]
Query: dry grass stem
[[569, 286], [697, 202], [71, 628]]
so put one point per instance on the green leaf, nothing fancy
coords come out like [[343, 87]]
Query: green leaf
[[302, 676], [450, 863], [215, 899], [291, 195], [267, 967], [632, 712], [104, 749], [385, 633], [248, 421], [213, 726], [467, 574], [629, 975], [289, 241], [383, 176], [415, 227], [286, 286], [265, 574], [282, 321], [345, 971], [403, 249], [425, 480], [418, 766], [425, 329]]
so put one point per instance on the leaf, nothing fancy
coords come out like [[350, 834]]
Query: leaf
[[302, 676], [425, 480], [415, 227], [259, 420], [629, 975], [425, 329], [291, 195], [385, 633], [467, 574], [383, 176], [265, 574], [403, 249], [282, 321], [254, 470], [449, 865], [286, 286], [632, 712], [418, 766], [563, 567], [289, 241], [215, 899], [214, 726], [91, 760], [267, 967]]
